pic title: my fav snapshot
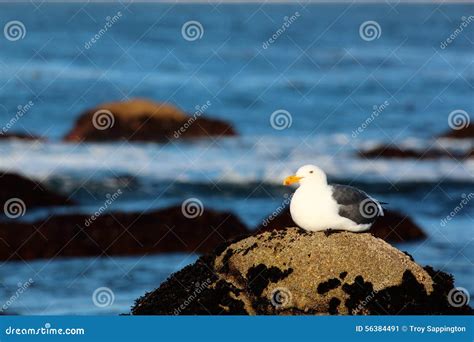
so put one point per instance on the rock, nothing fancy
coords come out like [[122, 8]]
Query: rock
[[464, 133], [398, 153], [20, 136], [32, 194], [392, 227], [291, 271], [165, 230], [143, 120], [396, 227]]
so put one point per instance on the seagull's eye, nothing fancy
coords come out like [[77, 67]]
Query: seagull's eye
[[311, 171]]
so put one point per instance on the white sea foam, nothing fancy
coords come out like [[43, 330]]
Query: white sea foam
[[236, 160]]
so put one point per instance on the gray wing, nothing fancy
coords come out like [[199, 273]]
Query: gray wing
[[355, 204]]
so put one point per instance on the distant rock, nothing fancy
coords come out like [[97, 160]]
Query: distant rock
[[144, 120], [165, 230], [464, 133], [31, 193], [294, 272], [394, 152], [392, 227], [20, 136]]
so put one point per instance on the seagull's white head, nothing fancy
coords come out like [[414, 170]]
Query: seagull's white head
[[308, 174]]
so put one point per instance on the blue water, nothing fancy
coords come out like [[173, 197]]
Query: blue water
[[319, 70]]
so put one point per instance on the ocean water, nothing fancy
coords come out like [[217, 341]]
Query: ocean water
[[319, 70]]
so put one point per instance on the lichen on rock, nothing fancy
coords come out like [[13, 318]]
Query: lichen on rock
[[293, 271]]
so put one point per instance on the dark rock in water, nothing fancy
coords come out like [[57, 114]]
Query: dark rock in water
[[292, 272], [14, 187], [143, 120], [394, 152], [396, 227], [392, 227], [464, 133], [166, 230], [20, 136]]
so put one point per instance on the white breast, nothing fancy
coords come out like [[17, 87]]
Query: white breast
[[313, 208]]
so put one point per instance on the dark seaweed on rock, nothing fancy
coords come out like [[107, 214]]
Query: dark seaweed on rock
[[408, 298], [260, 276], [237, 284], [30, 192], [177, 295]]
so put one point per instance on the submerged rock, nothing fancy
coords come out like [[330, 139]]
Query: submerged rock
[[18, 190], [143, 120], [392, 227], [394, 152], [20, 136], [165, 230], [291, 271], [466, 132]]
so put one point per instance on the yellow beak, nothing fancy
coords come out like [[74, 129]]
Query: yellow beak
[[291, 179]]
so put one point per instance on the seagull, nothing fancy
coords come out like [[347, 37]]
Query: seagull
[[317, 205]]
